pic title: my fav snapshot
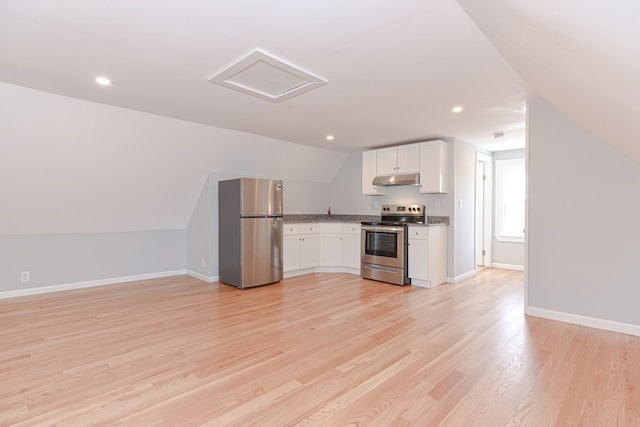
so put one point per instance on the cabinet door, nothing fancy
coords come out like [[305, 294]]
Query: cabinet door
[[291, 252], [433, 167], [331, 250], [310, 250], [369, 165], [351, 251], [437, 254], [419, 259], [387, 161], [408, 158]]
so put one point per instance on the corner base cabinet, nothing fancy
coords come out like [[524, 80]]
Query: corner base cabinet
[[325, 248], [428, 255]]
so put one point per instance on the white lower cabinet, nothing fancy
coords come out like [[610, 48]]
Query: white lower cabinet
[[351, 246], [300, 246], [291, 252], [332, 246], [310, 251], [428, 255]]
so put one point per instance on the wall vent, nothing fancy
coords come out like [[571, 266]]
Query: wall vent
[[268, 77]]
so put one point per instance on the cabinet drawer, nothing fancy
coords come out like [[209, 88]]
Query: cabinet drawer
[[310, 228], [331, 228], [351, 228], [289, 229], [421, 233]]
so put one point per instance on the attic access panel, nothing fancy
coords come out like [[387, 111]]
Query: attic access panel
[[268, 77]]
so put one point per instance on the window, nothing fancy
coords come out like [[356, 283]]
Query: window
[[510, 199]]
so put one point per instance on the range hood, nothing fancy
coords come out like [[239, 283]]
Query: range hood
[[399, 179]]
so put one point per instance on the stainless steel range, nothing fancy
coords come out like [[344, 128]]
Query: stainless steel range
[[384, 248]]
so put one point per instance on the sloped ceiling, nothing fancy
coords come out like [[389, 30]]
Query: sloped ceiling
[[394, 70], [582, 57]]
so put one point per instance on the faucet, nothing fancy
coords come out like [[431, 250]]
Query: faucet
[[329, 213]]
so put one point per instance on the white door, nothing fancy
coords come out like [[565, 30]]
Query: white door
[[484, 213], [480, 179]]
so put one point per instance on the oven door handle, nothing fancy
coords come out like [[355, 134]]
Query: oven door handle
[[382, 228]]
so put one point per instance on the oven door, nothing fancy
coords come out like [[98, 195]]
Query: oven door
[[383, 245]]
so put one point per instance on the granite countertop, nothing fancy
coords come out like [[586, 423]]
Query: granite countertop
[[306, 218]]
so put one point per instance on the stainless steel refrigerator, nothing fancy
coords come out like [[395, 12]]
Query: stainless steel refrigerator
[[250, 231]]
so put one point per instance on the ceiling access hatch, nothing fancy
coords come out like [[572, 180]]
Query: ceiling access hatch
[[268, 77]]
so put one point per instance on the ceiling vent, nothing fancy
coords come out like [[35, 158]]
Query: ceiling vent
[[265, 76]]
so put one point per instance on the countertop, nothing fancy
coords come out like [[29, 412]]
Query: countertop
[[306, 218]]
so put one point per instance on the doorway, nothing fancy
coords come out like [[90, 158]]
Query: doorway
[[483, 211]]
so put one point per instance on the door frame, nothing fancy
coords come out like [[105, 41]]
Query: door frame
[[484, 209]]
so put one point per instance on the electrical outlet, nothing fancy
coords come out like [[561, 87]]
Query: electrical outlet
[[203, 262], [376, 204], [437, 204], [24, 276]]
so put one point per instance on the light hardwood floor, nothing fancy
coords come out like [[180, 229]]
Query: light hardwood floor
[[322, 349]]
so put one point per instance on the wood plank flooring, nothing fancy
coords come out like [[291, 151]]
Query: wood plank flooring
[[316, 350]]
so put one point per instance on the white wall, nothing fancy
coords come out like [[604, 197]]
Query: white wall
[[583, 229], [506, 253], [96, 192], [64, 259], [464, 191], [81, 167]]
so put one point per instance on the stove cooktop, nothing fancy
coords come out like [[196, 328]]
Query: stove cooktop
[[391, 223], [395, 215]]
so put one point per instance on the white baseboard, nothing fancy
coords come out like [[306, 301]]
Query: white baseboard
[[508, 266], [324, 269], [88, 284], [607, 325], [337, 269], [421, 283], [461, 277], [208, 279], [295, 273]]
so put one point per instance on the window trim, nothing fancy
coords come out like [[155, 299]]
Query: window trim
[[500, 164]]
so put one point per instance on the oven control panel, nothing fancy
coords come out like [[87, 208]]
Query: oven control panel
[[403, 210], [403, 213]]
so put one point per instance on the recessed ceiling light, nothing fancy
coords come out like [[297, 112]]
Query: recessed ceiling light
[[103, 81], [456, 109], [329, 137]]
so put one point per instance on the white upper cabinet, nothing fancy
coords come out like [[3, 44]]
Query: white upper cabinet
[[401, 159], [429, 158], [369, 164], [434, 160]]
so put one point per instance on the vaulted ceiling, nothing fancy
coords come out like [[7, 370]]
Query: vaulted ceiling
[[394, 70], [582, 57]]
